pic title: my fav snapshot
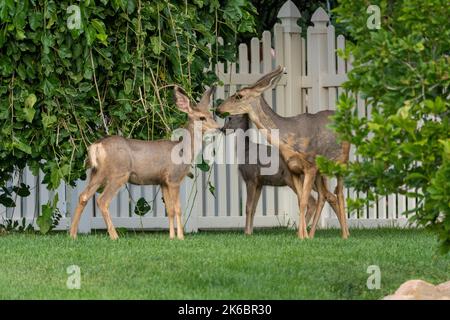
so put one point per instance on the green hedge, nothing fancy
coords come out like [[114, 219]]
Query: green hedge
[[61, 87], [402, 70]]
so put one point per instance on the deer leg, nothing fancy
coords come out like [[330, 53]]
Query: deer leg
[[332, 201], [170, 210], [253, 195], [321, 191], [105, 198], [312, 205], [251, 190], [328, 197], [94, 183], [175, 196], [341, 205], [256, 197], [303, 196], [311, 202]]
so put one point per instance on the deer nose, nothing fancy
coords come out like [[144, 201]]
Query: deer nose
[[221, 113], [219, 109]]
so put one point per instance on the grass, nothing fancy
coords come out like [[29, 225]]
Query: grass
[[272, 264]]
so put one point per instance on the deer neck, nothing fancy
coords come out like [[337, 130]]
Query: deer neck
[[264, 117], [196, 138]]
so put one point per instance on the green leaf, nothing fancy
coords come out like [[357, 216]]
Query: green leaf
[[29, 114], [30, 100], [50, 215], [48, 120], [35, 20], [44, 221], [212, 189], [19, 144], [55, 178], [203, 166], [99, 26], [142, 207], [91, 35], [23, 190], [156, 45], [128, 86], [131, 6], [7, 201]]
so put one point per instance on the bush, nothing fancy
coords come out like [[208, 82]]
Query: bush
[[403, 71], [62, 86]]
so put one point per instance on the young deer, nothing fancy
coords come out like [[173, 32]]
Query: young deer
[[302, 138], [115, 160], [251, 172]]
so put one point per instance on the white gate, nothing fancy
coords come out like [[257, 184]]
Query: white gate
[[312, 83]]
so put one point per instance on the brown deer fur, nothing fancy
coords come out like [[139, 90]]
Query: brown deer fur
[[301, 139]]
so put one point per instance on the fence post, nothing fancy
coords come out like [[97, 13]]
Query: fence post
[[318, 60], [289, 15]]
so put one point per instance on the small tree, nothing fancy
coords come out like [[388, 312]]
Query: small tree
[[403, 72]]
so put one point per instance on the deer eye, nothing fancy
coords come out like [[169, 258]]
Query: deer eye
[[202, 119], [238, 96]]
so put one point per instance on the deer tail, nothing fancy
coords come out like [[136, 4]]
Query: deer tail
[[94, 152]]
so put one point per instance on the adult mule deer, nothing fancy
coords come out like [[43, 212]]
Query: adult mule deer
[[251, 172], [116, 160], [302, 138]]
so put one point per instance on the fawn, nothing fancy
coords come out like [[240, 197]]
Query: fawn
[[116, 160]]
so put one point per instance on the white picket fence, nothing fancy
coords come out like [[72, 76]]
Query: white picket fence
[[312, 83]]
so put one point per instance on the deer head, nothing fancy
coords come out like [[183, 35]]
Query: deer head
[[198, 112], [243, 101]]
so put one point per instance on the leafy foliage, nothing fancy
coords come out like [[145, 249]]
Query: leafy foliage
[[61, 89], [50, 216], [402, 70], [10, 225]]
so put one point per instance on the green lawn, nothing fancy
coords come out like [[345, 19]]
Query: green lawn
[[272, 264]]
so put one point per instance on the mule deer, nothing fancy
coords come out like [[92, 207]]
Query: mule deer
[[254, 180], [116, 160], [302, 138]]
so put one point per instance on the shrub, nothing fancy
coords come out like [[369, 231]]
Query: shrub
[[402, 70], [62, 86]]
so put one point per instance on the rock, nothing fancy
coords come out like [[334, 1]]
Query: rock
[[444, 287], [421, 290]]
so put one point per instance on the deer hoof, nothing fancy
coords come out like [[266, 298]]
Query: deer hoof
[[113, 235], [73, 235], [303, 235]]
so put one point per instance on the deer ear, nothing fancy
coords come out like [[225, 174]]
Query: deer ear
[[269, 81], [206, 98], [182, 101]]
